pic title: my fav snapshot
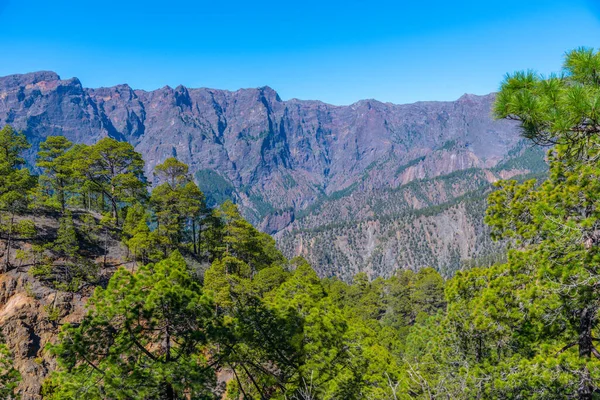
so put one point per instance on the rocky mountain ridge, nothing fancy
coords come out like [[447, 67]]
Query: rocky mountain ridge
[[282, 161]]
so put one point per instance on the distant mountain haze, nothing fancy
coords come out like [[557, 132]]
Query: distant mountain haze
[[367, 187]]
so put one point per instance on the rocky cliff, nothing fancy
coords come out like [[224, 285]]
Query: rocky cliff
[[285, 162], [32, 312]]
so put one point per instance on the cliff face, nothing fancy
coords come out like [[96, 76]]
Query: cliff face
[[32, 312], [437, 222], [276, 158], [27, 326]]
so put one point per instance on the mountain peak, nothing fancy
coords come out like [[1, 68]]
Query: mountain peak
[[269, 93], [28, 78], [475, 97]]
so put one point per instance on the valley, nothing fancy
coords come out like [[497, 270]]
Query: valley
[[351, 188]]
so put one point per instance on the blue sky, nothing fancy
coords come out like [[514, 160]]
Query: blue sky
[[335, 51]]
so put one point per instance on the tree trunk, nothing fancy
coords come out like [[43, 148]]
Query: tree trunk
[[115, 211], [105, 244], [169, 391], [61, 196], [200, 250], [194, 236], [586, 319], [9, 243]]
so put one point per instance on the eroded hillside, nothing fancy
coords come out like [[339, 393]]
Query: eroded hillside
[[296, 165]]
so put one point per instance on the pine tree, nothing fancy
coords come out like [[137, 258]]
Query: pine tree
[[322, 352], [172, 172], [137, 235], [166, 204], [111, 169], [15, 184], [58, 171], [428, 293], [66, 243], [555, 226], [194, 210], [238, 238], [178, 206], [145, 337]]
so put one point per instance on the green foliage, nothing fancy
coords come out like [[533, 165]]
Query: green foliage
[[167, 214], [60, 263], [554, 227], [428, 292], [53, 312], [9, 376], [15, 185], [89, 228], [15, 181], [269, 278], [280, 330], [526, 329], [66, 243], [58, 169], [137, 236], [173, 172], [237, 237], [12, 145], [559, 109], [178, 207], [216, 188], [222, 277], [144, 338], [109, 170]]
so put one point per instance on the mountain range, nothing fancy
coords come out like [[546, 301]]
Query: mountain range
[[367, 187]]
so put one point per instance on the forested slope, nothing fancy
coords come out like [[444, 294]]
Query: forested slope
[[111, 291], [191, 302]]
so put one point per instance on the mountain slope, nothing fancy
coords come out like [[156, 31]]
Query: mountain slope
[[281, 160]]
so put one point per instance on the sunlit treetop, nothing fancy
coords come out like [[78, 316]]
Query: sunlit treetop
[[560, 109]]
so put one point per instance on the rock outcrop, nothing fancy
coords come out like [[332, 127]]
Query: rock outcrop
[[32, 312]]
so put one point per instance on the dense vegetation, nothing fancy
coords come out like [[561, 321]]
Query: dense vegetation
[[208, 307]]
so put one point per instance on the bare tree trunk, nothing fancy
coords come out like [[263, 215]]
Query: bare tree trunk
[[194, 236], [61, 196], [586, 318], [115, 211], [9, 242], [105, 244], [169, 391], [200, 252]]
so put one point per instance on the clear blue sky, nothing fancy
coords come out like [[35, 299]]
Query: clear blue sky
[[335, 51]]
